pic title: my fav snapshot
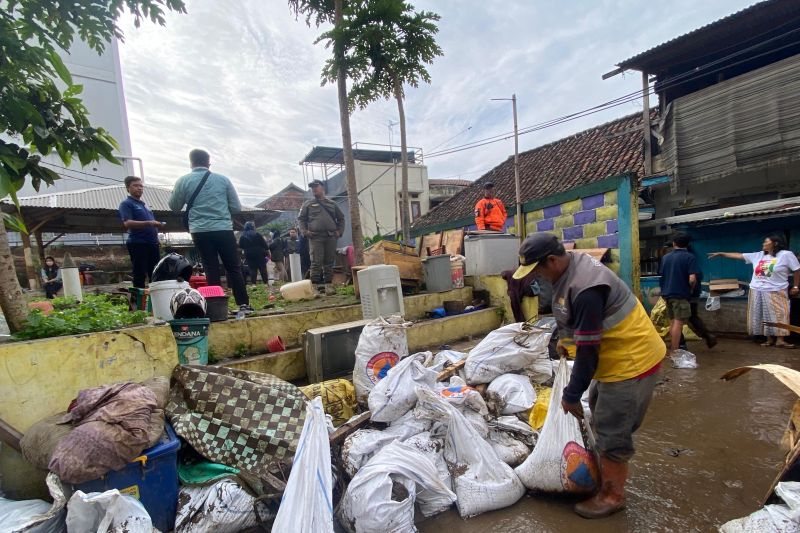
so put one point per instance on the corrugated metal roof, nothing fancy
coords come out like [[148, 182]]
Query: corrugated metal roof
[[768, 209], [328, 155], [97, 198], [718, 35]]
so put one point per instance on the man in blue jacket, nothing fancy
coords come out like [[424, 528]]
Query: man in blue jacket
[[210, 222]]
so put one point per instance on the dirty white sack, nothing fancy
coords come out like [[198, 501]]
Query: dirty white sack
[[508, 349], [107, 512], [459, 394], [35, 516], [433, 449], [683, 359], [380, 498], [394, 396], [521, 430], [560, 461], [307, 502], [381, 345], [510, 394], [480, 479], [363, 444], [780, 518], [224, 507], [447, 358], [508, 448]]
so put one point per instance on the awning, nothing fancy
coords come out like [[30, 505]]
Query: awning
[[783, 207]]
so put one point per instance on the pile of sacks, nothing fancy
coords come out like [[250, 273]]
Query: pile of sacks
[[466, 441]]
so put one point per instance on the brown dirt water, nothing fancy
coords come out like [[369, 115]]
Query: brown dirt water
[[706, 454]]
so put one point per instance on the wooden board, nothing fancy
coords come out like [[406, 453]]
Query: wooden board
[[355, 270], [433, 240], [453, 241], [403, 257]]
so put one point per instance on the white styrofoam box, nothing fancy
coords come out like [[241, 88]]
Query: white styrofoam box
[[491, 253]]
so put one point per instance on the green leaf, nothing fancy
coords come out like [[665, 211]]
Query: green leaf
[[14, 223], [60, 68]]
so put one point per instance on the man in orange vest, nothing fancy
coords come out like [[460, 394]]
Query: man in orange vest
[[490, 213]]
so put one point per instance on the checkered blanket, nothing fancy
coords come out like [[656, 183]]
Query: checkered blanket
[[242, 419]]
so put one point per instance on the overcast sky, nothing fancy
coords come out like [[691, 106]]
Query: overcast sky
[[242, 79]]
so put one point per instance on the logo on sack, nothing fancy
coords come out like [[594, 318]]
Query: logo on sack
[[380, 364], [458, 391]]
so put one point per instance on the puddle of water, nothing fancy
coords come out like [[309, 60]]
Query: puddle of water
[[706, 454]]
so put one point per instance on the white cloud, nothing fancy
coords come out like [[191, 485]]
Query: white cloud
[[242, 79]]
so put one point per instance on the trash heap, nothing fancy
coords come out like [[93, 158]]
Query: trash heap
[[459, 428], [225, 450]]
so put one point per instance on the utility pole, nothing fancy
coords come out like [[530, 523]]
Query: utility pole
[[520, 227]]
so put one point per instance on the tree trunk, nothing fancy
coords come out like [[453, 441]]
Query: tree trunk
[[12, 302], [405, 212], [347, 145]]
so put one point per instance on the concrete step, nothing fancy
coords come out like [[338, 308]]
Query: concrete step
[[423, 335]]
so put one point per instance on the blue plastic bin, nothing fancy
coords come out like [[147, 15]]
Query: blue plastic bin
[[152, 478]]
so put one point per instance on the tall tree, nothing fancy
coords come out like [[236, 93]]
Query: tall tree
[[37, 117], [388, 45], [333, 12]]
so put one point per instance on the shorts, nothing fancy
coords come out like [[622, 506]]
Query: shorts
[[678, 309], [618, 409]]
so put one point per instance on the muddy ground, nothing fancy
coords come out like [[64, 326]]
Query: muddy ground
[[707, 453]]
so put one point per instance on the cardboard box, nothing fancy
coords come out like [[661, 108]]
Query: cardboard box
[[723, 285]]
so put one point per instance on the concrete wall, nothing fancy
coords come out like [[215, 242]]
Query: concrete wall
[[498, 297], [379, 182], [589, 222]]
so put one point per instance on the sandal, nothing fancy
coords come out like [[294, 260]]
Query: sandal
[[785, 346]]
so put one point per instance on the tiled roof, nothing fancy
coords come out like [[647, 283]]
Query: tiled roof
[[291, 198], [448, 182], [607, 150]]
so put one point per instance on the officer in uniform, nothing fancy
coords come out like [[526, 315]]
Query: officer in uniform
[[322, 223]]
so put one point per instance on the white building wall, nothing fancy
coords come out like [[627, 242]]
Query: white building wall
[[379, 186]]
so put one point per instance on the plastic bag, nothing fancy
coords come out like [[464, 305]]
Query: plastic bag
[[35, 516], [516, 427], [480, 479], [560, 462], [510, 394], [307, 503], [683, 359], [338, 398], [381, 345], [363, 444], [224, 507], [538, 414], [775, 517], [511, 348], [447, 358], [394, 396], [107, 512], [381, 497], [712, 303]]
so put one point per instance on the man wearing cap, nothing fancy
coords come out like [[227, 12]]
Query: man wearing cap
[[490, 213], [322, 223], [615, 344]]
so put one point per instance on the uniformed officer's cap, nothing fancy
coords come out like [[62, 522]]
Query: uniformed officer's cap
[[315, 183]]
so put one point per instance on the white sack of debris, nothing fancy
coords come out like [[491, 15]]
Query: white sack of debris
[[381, 345], [510, 349]]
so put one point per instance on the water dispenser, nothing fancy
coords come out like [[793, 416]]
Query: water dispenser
[[381, 291]]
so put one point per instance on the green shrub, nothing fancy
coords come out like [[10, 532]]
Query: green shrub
[[95, 313]]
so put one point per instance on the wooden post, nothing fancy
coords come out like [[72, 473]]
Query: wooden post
[[30, 268], [648, 156]]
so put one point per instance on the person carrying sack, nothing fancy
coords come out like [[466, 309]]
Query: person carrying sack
[[210, 200], [322, 223]]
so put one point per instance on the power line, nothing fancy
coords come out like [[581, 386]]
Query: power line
[[67, 169], [630, 97]]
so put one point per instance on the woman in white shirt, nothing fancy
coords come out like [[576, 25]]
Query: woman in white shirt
[[768, 300]]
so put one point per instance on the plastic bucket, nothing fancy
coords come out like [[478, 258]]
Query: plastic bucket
[[191, 335], [217, 308], [161, 293], [275, 344], [457, 274]]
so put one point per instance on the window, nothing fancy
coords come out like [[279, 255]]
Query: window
[[416, 210]]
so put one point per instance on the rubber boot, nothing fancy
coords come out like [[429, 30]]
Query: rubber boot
[[611, 497]]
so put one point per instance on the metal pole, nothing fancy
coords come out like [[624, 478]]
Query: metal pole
[[132, 158], [520, 225]]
